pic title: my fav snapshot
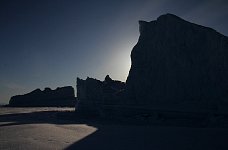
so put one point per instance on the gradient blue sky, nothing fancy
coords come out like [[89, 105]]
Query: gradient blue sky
[[48, 43]]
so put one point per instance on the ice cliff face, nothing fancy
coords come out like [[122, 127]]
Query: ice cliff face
[[177, 62]]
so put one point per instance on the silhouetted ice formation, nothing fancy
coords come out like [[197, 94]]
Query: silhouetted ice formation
[[62, 96], [178, 69], [179, 65], [94, 94]]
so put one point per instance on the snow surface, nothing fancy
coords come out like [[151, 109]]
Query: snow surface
[[52, 128]]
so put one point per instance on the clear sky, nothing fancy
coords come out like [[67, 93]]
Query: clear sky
[[48, 43]]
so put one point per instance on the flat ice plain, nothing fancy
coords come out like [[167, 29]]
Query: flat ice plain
[[58, 128]]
